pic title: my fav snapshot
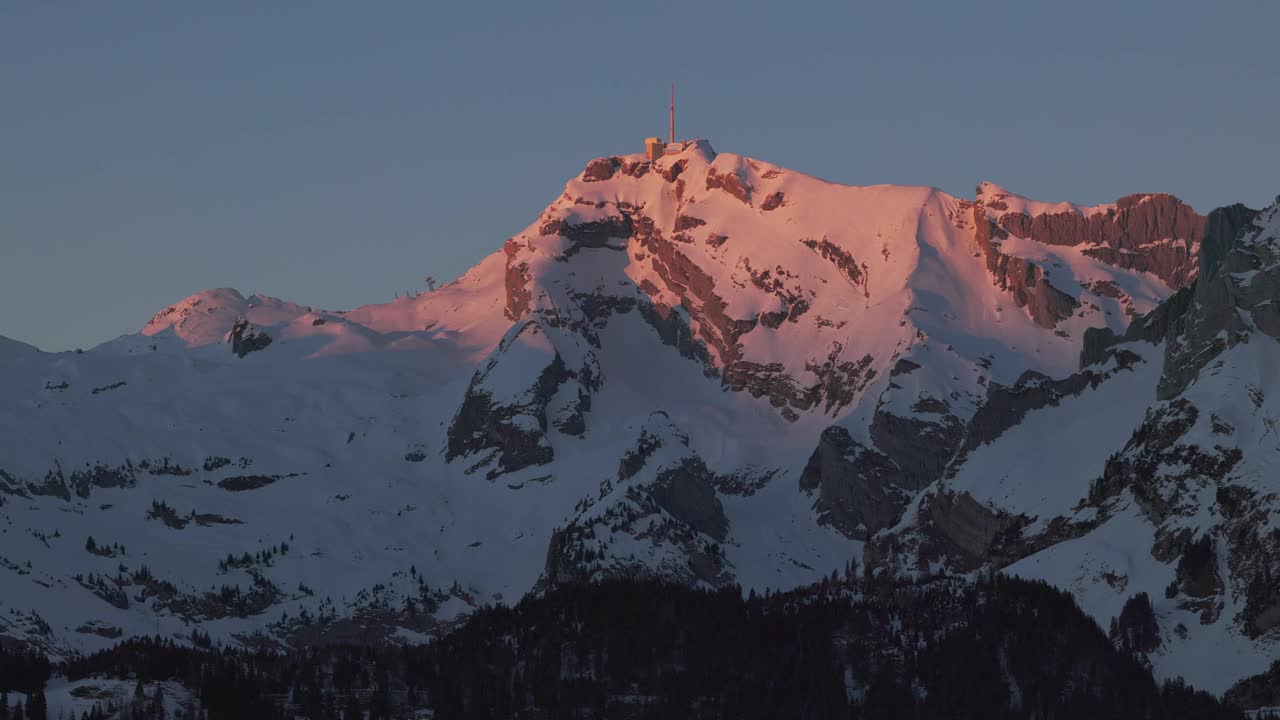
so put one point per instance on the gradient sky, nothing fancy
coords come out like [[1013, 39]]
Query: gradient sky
[[335, 153]]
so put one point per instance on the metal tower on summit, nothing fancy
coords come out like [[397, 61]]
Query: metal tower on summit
[[654, 148], [671, 136]]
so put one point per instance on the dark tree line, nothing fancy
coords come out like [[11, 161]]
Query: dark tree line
[[850, 649], [23, 671]]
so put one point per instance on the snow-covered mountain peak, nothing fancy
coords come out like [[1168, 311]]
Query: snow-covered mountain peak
[[1006, 201], [705, 367], [206, 317]]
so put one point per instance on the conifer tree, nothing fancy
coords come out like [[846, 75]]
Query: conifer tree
[[37, 706]]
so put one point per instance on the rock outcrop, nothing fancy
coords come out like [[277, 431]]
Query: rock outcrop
[[1022, 279], [664, 496], [1235, 294], [1155, 233], [244, 338], [510, 404], [859, 490]]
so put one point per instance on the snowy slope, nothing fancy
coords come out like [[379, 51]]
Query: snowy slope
[[1153, 471], [635, 383]]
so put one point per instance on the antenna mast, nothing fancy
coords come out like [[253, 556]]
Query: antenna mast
[[672, 137]]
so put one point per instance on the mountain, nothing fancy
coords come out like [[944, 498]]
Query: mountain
[[704, 369]]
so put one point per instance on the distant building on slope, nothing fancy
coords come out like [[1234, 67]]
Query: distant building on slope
[[654, 148]]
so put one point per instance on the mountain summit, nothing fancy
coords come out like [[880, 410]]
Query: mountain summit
[[699, 367]]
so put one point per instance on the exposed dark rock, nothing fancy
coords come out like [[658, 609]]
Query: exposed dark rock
[[595, 233], [963, 530], [839, 382], [511, 432], [768, 380], [245, 339], [902, 367], [9, 485], [53, 485], [860, 490], [953, 528], [575, 554], [1006, 406], [1157, 466], [1222, 227], [918, 448], [241, 483], [1215, 319], [930, 405], [773, 321], [636, 168], [657, 432], [743, 483], [599, 307], [1149, 233], [1023, 280], [686, 492], [1152, 327], [209, 519], [688, 222], [696, 289], [101, 629], [1096, 342], [672, 171], [570, 418], [731, 182], [773, 201], [601, 169], [677, 507], [1106, 288], [839, 257], [718, 331], [517, 282], [675, 332], [574, 419], [480, 424]]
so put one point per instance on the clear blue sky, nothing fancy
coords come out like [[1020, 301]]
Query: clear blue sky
[[334, 153]]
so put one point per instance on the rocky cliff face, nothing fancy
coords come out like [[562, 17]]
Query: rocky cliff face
[[1235, 298], [1181, 500], [1158, 233], [1025, 281]]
